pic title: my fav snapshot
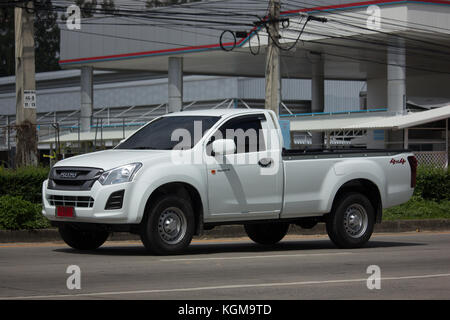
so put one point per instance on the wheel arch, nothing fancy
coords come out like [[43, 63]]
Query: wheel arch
[[185, 190], [365, 187]]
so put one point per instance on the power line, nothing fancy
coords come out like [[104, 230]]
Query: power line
[[285, 56], [215, 25]]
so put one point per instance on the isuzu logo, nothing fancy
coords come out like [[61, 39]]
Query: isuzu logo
[[68, 174]]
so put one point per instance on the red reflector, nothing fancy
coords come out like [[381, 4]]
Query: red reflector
[[64, 211], [413, 165]]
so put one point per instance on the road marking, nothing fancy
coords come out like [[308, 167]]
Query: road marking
[[258, 257], [237, 286]]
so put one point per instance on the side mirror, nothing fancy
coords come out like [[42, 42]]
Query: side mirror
[[223, 147]]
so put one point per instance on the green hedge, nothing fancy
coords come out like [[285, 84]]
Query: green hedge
[[21, 198], [23, 182], [433, 184], [18, 214], [20, 203], [419, 208]]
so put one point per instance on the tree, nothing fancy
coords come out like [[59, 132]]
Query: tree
[[165, 3], [46, 33], [7, 46], [90, 7], [87, 7], [108, 6]]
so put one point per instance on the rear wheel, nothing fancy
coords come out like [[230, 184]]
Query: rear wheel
[[351, 223], [82, 239], [169, 225], [266, 233]]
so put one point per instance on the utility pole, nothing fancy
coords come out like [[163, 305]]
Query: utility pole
[[273, 72], [26, 135]]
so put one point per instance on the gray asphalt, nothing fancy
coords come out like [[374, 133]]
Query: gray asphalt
[[413, 266]]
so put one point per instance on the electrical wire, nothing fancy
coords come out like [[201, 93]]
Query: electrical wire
[[181, 19]]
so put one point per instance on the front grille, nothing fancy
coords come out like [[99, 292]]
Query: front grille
[[72, 178], [71, 201]]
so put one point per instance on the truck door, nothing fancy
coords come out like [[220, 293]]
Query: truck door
[[249, 183]]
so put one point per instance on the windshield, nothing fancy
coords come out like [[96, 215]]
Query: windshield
[[168, 133]]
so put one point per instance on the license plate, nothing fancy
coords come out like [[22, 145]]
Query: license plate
[[65, 212]]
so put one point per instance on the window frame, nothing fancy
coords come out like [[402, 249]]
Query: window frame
[[258, 116]]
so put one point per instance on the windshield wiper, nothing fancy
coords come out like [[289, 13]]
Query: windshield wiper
[[148, 148], [144, 148]]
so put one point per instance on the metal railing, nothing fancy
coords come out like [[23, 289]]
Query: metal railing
[[8, 135]]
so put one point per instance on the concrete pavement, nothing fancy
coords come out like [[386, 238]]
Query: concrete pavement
[[413, 266]]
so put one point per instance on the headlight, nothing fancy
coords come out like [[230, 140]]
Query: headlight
[[120, 174]]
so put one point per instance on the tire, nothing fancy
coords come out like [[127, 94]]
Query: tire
[[168, 226], [266, 233], [351, 222], [82, 239]]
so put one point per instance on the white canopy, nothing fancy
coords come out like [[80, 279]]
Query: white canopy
[[372, 121]]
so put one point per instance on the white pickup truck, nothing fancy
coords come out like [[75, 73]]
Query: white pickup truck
[[186, 172]]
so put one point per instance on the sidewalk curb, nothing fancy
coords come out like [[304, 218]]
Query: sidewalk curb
[[49, 235]]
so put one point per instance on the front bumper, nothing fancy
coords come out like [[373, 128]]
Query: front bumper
[[96, 213]]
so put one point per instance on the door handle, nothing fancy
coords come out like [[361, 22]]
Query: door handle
[[264, 163]]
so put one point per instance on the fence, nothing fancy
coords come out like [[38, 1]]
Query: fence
[[62, 139], [44, 130], [432, 158], [103, 130]]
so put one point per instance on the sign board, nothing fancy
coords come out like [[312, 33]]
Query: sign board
[[29, 99], [285, 126], [378, 135]]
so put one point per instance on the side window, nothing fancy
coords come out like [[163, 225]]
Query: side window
[[246, 131]]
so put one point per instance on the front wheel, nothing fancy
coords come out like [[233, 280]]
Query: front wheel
[[82, 239], [266, 233], [351, 222], [169, 225]]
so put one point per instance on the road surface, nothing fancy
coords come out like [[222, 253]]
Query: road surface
[[411, 265]]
